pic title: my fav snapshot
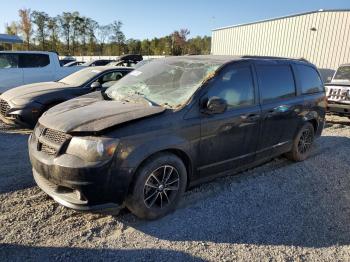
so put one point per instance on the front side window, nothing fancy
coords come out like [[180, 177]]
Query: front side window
[[169, 82], [8, 61], [310, 81], [112, 76], [275, 82], [234, 85], [33, 60]]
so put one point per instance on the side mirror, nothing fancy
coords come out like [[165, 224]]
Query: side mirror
[[95, 85], [216, 105]]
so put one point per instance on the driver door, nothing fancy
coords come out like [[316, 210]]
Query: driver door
[[229, 139]]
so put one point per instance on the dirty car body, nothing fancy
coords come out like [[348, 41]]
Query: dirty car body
[[25, 104], [87, 152]]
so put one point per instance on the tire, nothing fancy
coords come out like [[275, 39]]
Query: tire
[[154, 195], [302, 143]]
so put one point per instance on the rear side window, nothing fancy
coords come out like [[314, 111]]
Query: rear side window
[[8, 60], [235, 85], [276, 82], [33, 60], [310, 81]]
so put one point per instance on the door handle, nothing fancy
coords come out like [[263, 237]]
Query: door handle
[[277, 110], [251, 117]]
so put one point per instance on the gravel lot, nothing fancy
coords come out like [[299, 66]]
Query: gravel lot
[[278, 211]]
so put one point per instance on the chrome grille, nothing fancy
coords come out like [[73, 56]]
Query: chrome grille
[[4, 107], [338, 94]]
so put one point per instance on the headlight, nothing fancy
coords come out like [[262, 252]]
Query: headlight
[[92, 149]]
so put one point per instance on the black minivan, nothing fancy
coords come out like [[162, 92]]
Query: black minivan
[[173, 123]]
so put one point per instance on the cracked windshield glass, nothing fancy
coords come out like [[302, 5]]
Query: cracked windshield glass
[[168, 82]]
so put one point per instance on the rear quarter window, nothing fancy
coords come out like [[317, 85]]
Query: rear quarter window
[[275, 82], [8, 61], [310, 81], [33, 60]]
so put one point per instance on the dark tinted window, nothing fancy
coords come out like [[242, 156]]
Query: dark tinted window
[[8, 61], [310, 81], [34, 60], [100, 62], [276, 82], [235, 85]]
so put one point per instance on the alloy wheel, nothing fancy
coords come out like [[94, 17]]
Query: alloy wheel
[[161, 187], [305, 141]]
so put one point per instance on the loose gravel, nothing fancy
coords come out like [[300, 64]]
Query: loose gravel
[[280, 211]]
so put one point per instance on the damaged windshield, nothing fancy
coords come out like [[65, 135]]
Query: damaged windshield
[[168, 82]]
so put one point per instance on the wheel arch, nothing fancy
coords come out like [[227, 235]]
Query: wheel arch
[[181, 154]]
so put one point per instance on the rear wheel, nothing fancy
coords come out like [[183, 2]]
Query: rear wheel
[[302, 143], [159, 185]]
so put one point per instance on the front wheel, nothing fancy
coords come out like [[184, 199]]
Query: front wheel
[[158, 187], [302, 143]]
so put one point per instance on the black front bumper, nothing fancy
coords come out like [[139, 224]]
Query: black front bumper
[[77, 184], [338, 109], [24, 118]]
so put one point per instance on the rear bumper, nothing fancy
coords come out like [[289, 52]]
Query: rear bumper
[[339, 109]]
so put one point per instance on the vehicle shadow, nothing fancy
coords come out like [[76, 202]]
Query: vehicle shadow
[[305, 204], [15, 168], [12, 252]]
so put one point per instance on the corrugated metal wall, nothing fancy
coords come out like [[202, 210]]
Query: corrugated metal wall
[[327, 47]]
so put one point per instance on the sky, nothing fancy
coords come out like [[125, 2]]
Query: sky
[[155, 18]]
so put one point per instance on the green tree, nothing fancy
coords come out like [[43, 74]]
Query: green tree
[[40, 19], [118, 36], [12, 29], [104, 33], [53, 30], [65, 21]]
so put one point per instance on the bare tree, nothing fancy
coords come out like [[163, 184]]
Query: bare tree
[[25, 25]]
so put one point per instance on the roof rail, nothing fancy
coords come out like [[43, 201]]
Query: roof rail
[[274, 57]]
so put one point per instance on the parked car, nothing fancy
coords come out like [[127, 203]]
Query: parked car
[[25, 104], [98, 62], [67, 59], [127, 60], [74, 63], [26, 67], [173, 123], [338, 92], [143, 62]]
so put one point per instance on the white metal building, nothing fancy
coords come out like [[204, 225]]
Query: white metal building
[[322, 37]]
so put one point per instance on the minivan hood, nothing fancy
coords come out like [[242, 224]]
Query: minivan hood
[[94, 114], [32, 90]]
